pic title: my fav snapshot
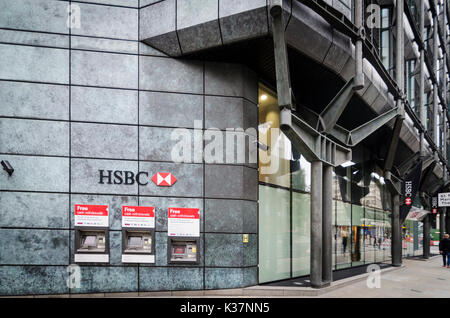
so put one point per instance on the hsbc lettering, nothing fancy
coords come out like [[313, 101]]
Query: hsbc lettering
[[123, 177], [408, 188]]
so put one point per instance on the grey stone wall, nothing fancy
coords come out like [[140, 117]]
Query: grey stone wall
[[77, 100]]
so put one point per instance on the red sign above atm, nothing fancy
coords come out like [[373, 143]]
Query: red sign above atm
[[183, 222], [91, 215], [138, 211], [184, 213], [86, 209], [138, 216]]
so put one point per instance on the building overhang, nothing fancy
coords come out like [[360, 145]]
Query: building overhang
[[183, 30]]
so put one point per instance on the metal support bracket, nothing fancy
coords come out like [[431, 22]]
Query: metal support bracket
[[313, 145], [284, 91], [392, 150], [427, 161], [393, 183], [365, 130], [329, 116], [351, 138]]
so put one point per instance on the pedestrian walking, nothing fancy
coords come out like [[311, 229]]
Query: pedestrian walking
[[444, 249]]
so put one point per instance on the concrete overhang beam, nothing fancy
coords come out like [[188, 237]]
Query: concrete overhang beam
[[183, 29]]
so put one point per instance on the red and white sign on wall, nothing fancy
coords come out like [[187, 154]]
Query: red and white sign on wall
[[164, 179], [91, 215], [183, 222], [408, 201], [138, 216]]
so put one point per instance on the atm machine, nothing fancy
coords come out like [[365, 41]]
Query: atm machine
[[183, 250], [137, 246], [138, 234], [91, 234], [183, 226]]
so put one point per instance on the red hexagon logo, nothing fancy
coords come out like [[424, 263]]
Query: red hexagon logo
[[164, 179], [408, 201]]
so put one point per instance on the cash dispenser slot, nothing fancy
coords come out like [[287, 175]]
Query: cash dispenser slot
[[138, 246], [183, 250], [91, 245]]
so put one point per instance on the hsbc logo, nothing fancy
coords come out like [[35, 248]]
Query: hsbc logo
[[408, 201], [163, 179], [408, 188]]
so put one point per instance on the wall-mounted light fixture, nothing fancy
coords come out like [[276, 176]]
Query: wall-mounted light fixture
[[7, 167]]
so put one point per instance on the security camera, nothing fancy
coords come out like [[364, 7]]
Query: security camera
[[7, 167]]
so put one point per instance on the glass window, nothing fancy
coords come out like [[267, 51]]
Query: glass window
[[343, 183], [385, 35], [373, 179], [408, 238], [388, 234], [300, 172], [284, 177], [274, 234], [301, 221], [343, 235], [410, 82], [357, 235], [369, 235], [274, 161], [379, 235]]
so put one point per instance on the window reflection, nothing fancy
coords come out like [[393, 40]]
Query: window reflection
[[343, 235], [274, 162], [357, 235], [284, 204], [361, 214], [412, 238]]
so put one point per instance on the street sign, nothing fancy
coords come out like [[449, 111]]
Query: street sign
[[444, 199]]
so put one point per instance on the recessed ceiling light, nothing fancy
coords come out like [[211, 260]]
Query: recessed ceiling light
[[347, 164], [263, 97]]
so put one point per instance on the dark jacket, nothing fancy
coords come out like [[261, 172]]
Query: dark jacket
[[444, 245]]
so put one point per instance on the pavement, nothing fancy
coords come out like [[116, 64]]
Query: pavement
[[415, 279]]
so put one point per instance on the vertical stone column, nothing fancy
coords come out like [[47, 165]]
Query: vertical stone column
[[422, 113], [426, 237], [316, 224], [359, 76], [447, 223], [442, 229], [396, 245], [435, 85], [327, 218]]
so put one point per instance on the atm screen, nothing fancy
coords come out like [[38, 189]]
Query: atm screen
[[135, 241], [179, 249], [89, 240]]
